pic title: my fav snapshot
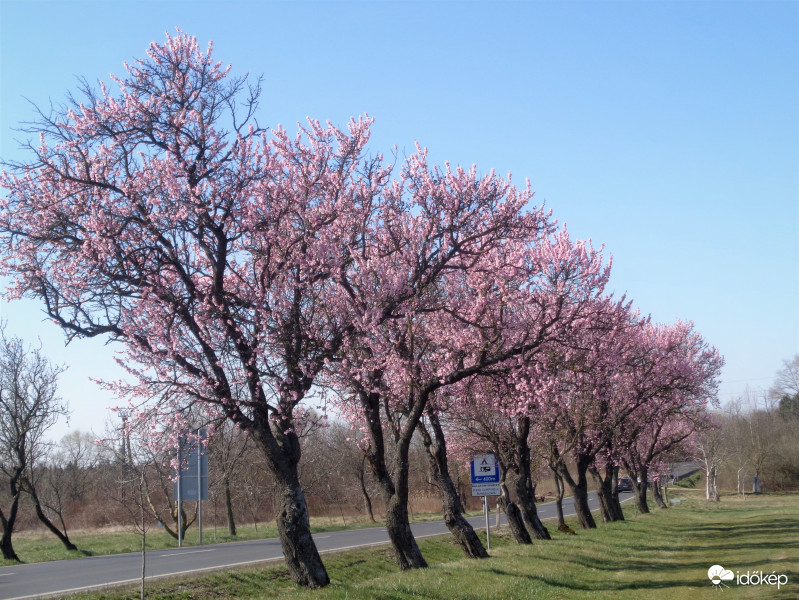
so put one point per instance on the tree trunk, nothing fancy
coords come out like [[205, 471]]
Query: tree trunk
[[579, 490], [615, 505], [302, 558], [184, 521], [530, 515], [608, 502], [366, 499], [395, 495], [282, 450], [712, 492], [525, 490], [560, 491], [603, 495], [6, 547], [143, 545], [640, 485], [406, 550], [231, 523], [436, 451], [393, 483], [62, 536], [515, 521], [656, 494], [560, 488]]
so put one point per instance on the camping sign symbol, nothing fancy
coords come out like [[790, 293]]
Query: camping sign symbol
[[485, 475], [485, 468]]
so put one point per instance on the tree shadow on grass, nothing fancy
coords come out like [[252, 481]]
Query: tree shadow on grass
[[604, 586]]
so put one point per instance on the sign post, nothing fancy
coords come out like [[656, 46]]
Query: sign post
[[192, 477], [485, 483]]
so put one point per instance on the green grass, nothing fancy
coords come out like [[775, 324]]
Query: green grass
[[690, 481], [665, 554]]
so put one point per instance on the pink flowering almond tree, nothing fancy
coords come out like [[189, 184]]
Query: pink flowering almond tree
[[681, 371], [163, 217], [671, 375], [571, 277], [482, 423], [493, 307], [574, 388], [641, 369], [476, 427], [435, 286]]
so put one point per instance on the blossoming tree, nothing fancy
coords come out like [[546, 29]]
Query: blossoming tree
[[164, 218]]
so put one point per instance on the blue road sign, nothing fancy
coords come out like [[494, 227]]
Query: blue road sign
[[485, 469], [485, 475], [193, 475]]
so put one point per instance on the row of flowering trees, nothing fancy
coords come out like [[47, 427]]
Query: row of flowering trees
[[247, 273]]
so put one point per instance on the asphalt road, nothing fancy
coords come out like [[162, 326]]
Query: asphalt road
[[37, 580]]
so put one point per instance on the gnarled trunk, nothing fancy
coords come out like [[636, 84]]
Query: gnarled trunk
[[8, 522], [436, 451], [525, 489], [291, 511], [366, 499], [640, 481], [603, 495], [406, 550], [657, 495], [615, 504], [302, 558], [529, 512], [560, 488], [37, 505], [393, 483], [609, 509], [639, 491], [579, 488], [6, 546], [231, 523], [515, 521]]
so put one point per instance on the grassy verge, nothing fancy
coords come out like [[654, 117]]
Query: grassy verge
[[662, 555]]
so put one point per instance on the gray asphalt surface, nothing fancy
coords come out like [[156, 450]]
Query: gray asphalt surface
[[37, 580]]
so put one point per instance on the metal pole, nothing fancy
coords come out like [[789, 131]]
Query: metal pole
[[199, 485], [180, 486], [488, 526]]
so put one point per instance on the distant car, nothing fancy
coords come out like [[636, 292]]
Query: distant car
[[625, 484]]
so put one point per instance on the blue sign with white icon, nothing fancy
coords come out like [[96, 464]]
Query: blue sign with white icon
[[485, 475]]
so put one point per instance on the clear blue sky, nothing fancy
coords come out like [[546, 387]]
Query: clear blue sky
[[669, 131]]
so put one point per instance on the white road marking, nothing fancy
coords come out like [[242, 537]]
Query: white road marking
[[188, 552]]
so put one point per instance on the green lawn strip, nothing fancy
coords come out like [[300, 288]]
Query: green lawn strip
[[665, 554]]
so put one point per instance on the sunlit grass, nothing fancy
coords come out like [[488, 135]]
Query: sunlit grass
[[665, 554]]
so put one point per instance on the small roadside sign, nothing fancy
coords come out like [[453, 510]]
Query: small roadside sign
[[485, 475]]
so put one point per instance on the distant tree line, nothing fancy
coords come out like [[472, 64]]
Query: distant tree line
[[753, 446]]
